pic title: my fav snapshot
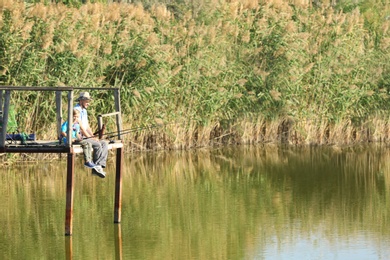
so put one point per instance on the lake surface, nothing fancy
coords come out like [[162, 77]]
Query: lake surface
[[246, 202]]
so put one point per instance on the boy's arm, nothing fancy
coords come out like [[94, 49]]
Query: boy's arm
[[64, 127], [77, 129]]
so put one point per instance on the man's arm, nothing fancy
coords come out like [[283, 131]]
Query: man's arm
[[86, 132]]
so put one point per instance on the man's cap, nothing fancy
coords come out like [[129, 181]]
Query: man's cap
[[84, 96]]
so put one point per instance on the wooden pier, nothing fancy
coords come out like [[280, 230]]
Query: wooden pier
[[55, 146]]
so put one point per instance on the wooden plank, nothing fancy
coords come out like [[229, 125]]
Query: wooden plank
[[23, 88], [37, 142], [110, 114], [99, 88], [24, 149], [35, 88], [78, 149], [53, 145]]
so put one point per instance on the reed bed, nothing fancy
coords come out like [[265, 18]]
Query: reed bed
[[226, 72]]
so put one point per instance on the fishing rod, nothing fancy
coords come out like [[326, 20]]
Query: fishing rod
[[131, 130], [127, 131]]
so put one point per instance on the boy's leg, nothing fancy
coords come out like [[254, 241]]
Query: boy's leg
[[87, 150]]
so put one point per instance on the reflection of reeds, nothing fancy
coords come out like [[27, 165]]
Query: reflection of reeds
[[228, 203]]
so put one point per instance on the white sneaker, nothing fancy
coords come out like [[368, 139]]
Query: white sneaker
[[98, 170]]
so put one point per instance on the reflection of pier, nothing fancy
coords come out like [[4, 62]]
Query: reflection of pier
[[68, 248], [54, 146], [118, 244]]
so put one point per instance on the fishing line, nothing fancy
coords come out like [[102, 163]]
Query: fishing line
[[130, 130]]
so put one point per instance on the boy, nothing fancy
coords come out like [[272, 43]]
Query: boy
[[76, 137]]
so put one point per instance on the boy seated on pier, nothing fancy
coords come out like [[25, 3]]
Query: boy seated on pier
[[77, 139]]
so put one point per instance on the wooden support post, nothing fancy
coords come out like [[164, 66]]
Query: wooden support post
[[118, 185], [69, 194]]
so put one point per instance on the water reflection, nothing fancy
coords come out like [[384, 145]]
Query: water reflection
[[68, 248], [117, 245], [118, 242], [232, 203]]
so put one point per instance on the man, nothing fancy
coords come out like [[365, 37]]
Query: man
[[100, 147]]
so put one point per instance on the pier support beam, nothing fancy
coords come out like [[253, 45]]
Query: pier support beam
[[69, 194], [118, 186]]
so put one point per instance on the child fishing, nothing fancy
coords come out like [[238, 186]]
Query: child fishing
[[77, 139]]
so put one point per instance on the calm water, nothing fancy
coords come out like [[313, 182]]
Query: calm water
[[231, 203]]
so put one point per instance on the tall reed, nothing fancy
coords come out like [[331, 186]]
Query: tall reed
[[231, 72]]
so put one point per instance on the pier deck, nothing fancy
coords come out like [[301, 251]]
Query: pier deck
[[50, 146]]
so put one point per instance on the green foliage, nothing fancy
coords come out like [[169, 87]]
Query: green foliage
[[203, 62]]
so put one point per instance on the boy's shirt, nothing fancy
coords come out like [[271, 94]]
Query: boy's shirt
[[64, 128]]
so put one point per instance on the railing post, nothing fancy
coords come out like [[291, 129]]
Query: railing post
[[70, 117], [100, 126], [1, 107], [4, 122], [118, 109], [59, 113], [2, 136]]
